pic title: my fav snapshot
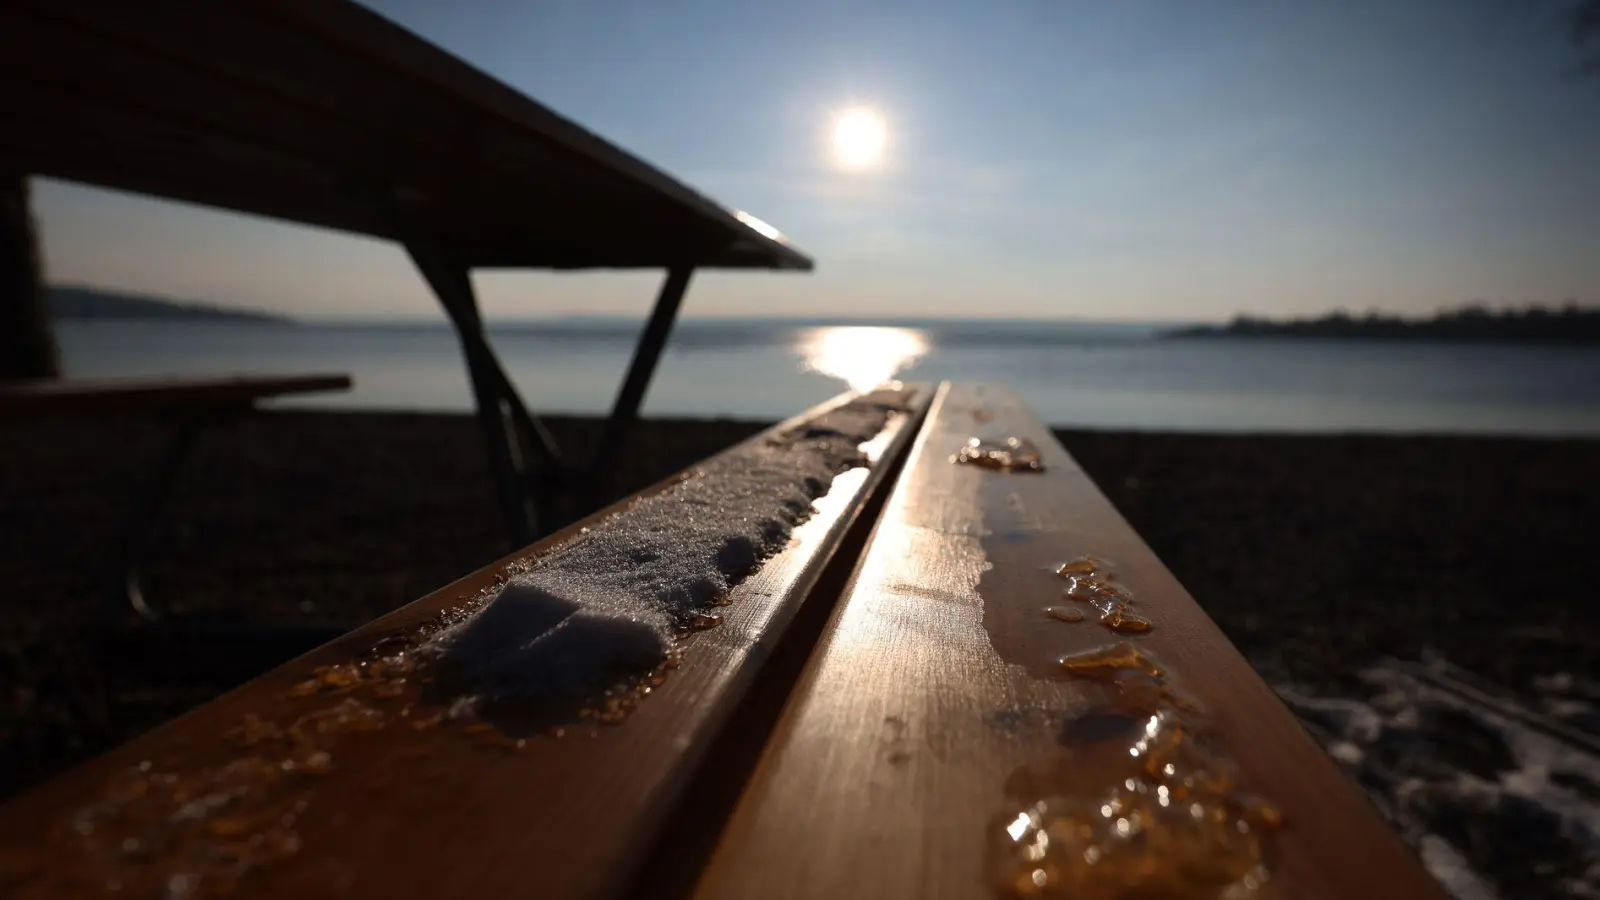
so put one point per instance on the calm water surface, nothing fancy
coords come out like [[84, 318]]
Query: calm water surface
[[1086, 375]]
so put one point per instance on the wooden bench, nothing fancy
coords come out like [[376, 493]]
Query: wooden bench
[[189, 403], [441, 810], [937, 695], [880, 697]]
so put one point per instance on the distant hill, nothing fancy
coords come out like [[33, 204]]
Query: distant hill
[[73, 302], [1570, 324]]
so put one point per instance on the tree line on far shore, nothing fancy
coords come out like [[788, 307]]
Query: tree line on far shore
[[1569, 323]]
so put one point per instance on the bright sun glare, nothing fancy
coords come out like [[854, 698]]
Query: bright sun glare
[[862, 356], [859, 137]]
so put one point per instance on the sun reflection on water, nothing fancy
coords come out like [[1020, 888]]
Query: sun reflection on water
[[861, 356]]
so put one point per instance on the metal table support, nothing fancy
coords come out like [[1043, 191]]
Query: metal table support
[[535, 494], [499, 409], [625, 411], [128, 586]]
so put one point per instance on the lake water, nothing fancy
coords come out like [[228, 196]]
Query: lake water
[[1072, 374]]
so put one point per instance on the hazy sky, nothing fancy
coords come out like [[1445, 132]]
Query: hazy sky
[[1128, 160]]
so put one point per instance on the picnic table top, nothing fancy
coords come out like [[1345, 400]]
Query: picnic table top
[[324, 113]]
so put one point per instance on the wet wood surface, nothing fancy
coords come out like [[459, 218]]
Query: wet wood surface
[[445, 811], [936, 684], [102, 396]]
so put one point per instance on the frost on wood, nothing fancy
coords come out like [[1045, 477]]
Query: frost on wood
[[611, 600]]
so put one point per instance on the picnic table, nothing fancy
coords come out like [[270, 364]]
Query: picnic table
[[323, 113], [878, 712], [188, 404]]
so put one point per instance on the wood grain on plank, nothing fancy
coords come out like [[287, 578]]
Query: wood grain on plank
[[936, 684], [442, 812]]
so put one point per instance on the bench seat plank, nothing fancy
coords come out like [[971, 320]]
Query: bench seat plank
[[937, 681], [450, 811], [103, 396]]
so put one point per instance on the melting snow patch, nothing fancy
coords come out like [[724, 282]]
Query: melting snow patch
[[1452, 872], [611, 600], [1496, 797]]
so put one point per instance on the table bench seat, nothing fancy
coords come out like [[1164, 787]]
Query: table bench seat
[[936, 707], [65, 397]]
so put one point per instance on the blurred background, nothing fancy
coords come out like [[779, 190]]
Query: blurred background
[[1312, 290]]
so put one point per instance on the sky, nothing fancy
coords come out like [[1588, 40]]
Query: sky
[[1129, 160]]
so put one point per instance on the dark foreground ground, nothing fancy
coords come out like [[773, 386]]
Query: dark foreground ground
[[1319, 556]]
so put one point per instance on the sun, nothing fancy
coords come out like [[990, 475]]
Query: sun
[[859, 137]]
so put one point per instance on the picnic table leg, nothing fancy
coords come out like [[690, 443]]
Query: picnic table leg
[[141, 520], [625, 411], [500, 411]]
